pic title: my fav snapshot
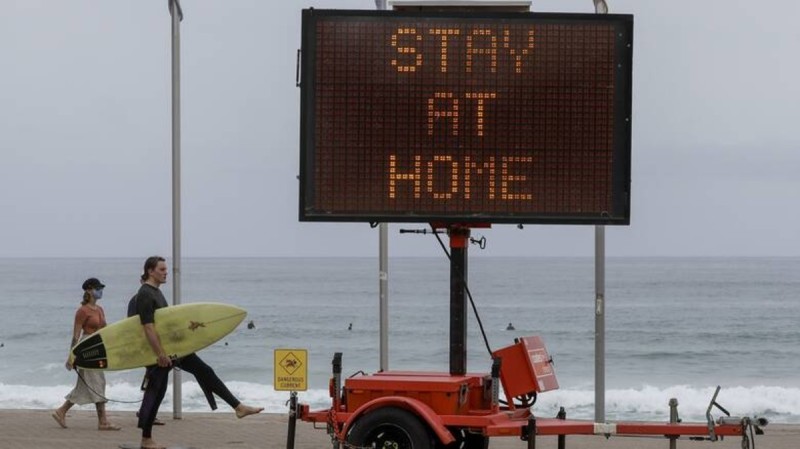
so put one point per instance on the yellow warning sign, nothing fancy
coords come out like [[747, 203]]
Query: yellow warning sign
[[291, 370]]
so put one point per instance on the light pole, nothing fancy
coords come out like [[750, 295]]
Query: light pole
[[177, 16]]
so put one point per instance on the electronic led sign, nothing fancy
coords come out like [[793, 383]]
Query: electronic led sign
[[465, 117]]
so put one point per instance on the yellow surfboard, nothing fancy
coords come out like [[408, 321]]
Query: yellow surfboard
[[183, 329]]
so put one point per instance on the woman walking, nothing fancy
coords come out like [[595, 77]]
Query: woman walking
[[91, 385]]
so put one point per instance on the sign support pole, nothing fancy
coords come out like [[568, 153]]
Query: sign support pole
[[599, 324], [292, 420], [600, 7], [459, 246], [383, 274]]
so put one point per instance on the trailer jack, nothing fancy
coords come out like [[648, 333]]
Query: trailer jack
[[750, 426]]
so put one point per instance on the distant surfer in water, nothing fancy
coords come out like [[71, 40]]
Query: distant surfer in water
[[91, 385], [148, 300]]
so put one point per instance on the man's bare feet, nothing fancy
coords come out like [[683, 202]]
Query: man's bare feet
[[245, 410], [61, 418], [149, 443]]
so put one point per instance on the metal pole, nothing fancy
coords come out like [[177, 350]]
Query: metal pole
[[562, 439], [459, 242], [600, 7], [673, 419], [384, 296], [599, 324], [337, 395], [531, 432], [177, 15], [290, 436], [383, 274]]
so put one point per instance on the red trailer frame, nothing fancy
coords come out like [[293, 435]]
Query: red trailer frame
[[454, 409]]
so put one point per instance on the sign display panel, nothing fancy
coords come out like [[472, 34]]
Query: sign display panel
[[465, 117], [290, 369]]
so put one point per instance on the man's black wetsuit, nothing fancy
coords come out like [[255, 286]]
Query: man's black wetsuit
[[145, 303]]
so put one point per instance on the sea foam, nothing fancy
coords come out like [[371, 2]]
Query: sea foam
[[778, 404]]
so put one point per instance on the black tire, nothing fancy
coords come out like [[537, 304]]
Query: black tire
[[475, 441], [465, 440], [390, 428]]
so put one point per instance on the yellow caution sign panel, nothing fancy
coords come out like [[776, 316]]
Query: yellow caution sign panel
[[291, 370]]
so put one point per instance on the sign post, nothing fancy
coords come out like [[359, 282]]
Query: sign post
[[291, 374], [600, 301]]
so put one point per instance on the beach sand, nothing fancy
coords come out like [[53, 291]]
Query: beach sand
[[36, 429]]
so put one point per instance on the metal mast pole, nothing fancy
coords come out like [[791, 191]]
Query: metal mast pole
[[599, 324], [600, 7], [177, 16], [384, 296], [383, 277], [383, 274], [459, 246]]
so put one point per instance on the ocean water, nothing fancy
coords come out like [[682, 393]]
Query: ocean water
[[674, 327]]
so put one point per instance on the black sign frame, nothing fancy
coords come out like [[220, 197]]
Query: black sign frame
[[620, 160]]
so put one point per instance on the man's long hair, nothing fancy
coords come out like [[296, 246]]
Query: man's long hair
[[150, 264]]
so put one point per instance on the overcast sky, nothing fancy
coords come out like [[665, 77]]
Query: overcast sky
[[85, 149]]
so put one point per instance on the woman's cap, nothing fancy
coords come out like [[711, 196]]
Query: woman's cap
[[92, 283]]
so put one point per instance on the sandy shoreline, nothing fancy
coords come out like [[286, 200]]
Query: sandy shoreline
[[36, 429]]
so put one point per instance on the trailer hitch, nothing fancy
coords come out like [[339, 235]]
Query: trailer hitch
[[712, 435], [752, 425]]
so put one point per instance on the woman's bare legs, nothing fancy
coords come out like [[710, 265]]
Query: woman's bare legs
[[60, 414]]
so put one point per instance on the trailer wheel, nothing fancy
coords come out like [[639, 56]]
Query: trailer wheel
[[474, 441], [390, 428], [465, 440]]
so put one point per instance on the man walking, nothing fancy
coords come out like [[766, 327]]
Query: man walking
[[148, 300]]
